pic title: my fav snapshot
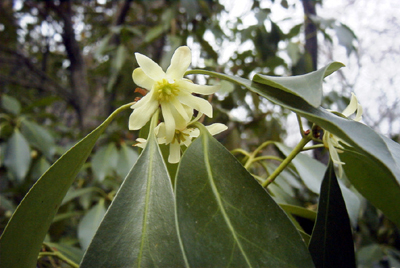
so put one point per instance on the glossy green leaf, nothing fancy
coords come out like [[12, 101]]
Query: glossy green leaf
[[226, 219], [89, 223], [138, 229], [104, 161], [39, 138], [10, 104], [363, 139], [307, 86], [17, 156], [127, 157], [331, 242], [21, 240]]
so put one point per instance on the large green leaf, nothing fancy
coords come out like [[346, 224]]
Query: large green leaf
[[17, 157], [331, 242], [226, 219], [362, 138], [21, 240], [307, 86], [139, 229]]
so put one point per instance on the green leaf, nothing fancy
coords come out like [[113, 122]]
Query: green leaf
[[17, 156], [104, 161], [307, 86], [127, 157], [364, 140], [39, 138], [35, 213], [225, 218], [72, 253], [10, 104], [139, 229], [331, 242], [73, 193], [89, 223]]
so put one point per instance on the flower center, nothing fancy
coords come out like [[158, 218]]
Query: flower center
[[180, 136], [165, 90]]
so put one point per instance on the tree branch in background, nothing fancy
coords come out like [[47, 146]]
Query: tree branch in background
[[311, 31], [78, 78]]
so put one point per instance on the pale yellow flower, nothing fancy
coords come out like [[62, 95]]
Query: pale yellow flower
[[181, 137], [170, 91], [332, 142]]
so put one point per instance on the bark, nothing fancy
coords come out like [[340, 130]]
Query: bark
[[311, 31], [78, 74]]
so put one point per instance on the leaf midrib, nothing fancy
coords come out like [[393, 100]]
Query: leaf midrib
[[218, 199], [146, 207]]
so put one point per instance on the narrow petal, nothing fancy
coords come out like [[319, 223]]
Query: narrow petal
[[181, 110], [334, 155], [169, 122], [140, 116], [145, 100], [352, 107], [180, 122], [149, 67], [180, 62], [195, 133], [216, 128], [359, 113], [199, 104], [141, 79], [174, 153], [199, 89], [141, 143]]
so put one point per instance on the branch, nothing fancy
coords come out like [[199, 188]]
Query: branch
[[46, 83]]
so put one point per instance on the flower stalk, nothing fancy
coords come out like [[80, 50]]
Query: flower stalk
[[299, 147]]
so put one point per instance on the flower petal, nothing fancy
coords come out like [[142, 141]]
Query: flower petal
[[141, 79], [141, 143], [149, 67], [169, 122], [199, 104], [181, 110], [180, 122], [199, 89], [216, 128], [145, 100], [359, 113], [194, 133], [352, 107], [180, 62], [174, 153], [140, 116]]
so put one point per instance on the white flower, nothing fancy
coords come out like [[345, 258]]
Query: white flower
[[332, 142], [170, 91], [181, 137]]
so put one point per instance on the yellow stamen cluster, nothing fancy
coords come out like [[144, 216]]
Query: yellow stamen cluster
[[180, 136], [165, 90]]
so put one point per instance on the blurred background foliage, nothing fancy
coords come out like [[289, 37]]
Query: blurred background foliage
[[66, 65]]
